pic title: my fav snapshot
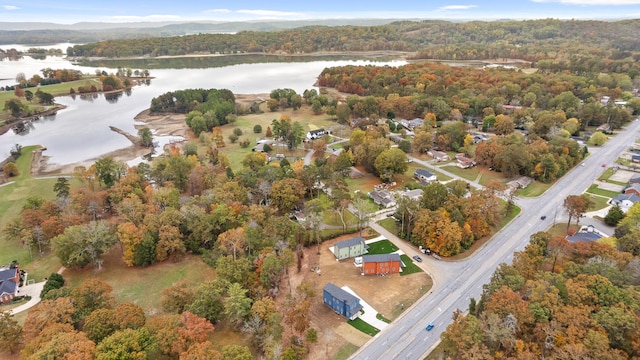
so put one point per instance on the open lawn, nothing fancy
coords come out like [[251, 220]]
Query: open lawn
[[236, 153], [12, 199], [599, 203], [54, 89], [470, 174], [410, 266], [143, 286], [594, 189], [535, 189], [381, 247], [390, 225]]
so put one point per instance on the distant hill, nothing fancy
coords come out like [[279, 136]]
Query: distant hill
[[83, 32]]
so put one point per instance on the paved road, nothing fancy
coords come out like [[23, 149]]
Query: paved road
[[456, 282]]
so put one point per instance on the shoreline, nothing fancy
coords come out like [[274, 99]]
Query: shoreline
[[52, 111]]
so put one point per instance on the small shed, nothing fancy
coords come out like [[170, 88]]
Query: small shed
[[381, 264], [341, 301]]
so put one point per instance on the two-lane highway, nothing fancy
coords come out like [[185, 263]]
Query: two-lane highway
[[456, 282]]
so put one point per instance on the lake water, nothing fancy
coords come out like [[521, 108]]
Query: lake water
[[81, 131]]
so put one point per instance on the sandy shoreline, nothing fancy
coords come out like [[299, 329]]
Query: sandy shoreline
[[164, 124]]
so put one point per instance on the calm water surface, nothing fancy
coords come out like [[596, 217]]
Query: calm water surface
[[81, 131]]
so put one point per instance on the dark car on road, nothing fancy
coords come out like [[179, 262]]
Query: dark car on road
[[429, 327], [417, 258]]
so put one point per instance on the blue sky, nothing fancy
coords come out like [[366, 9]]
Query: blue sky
[[72, 11]]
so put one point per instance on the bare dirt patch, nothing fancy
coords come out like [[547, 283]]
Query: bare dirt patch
[[386, 294]]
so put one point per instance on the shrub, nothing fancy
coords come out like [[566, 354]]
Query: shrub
[[237, 131], [10, 169], [257, 129], [55, 281], [244, 143], [233, 138]]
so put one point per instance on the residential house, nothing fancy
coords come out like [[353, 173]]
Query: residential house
[[383, 198], [411, 124], [261, 144], [9, 282], [605, 128], [438, 156], [350, 248], [464, 162], [425, 176], [316, 134], [585, 234], [632, 189], [625, 201], [635, 179], [520, 182], [635, 158], [415, 194], [381, 264], [341, 301]]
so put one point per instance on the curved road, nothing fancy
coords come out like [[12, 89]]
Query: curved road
[[454, 283]]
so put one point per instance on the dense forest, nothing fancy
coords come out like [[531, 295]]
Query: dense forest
[[533, 40], [557, 300]]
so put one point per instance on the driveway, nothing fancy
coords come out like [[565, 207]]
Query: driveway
[[32, 290]]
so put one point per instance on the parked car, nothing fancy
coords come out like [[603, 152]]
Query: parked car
[[390, 214], [543, 217], [430, 326], [417, 258], [604, 165]]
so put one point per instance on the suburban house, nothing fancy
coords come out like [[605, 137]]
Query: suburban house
[[383, 198], [350, 248], [635, 179], [425, 176], [9, 282], [625, 201], [438, 156], [341, 301], [411, 124], [520, 182], [464, 162], [381, 264], [261, 144], [585, 234], [316, 134], [632, 189], [415, 194]]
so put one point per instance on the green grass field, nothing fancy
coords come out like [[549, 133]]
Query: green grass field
[[12, 198], [381, 247], [535, 189], [594, 189], [469, 174], [54, 89], [410, 266], [363, 326]]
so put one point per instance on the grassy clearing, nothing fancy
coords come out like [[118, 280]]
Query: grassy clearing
[[12, 199], [470, 174], [606, 174], [364, 326], [236, 153], [54, 89], [599, 203], [381, 247], [486, 175], [382, 318], [534, 190], [345, 352], [410, 266], [143, 286], [390, 225], [330, 217], [594, 189]]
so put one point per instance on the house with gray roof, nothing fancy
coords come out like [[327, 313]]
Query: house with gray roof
[[381, 264], [585, 234], [350, 248], [625, 201], [341, 301], [9, 282], [383, 198], [425, 176]]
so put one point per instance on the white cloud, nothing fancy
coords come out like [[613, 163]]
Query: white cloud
[[126, 18], [591, 2], [457, 7], [218, 11], [269, 13], [10, 7]]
